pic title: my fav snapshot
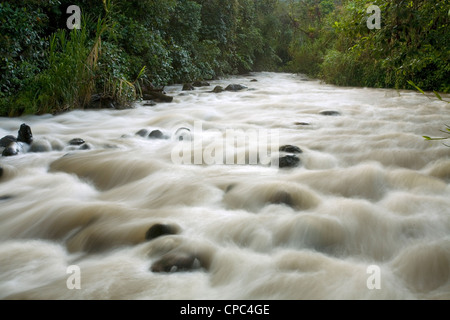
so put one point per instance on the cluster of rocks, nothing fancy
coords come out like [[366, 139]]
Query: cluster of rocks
[[24, 142], [217, 89], [14, 145], [181, 134], [151, 95]]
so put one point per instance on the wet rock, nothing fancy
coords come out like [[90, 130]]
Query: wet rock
[[218, 89], [1, 171], [156, 134], [157, 96], [230, 187], [13, 146], [235, 87], [177, 262], [85, 146], [40, 146], [7, 140], [188, 87], [25, 134], [57, 145], [330, 113], [159, 230], [142, 133], [302, 123], [290, 149], [289, 161], [200, 84], [12, 150], [76, 142], [253, 80], [6, 197]]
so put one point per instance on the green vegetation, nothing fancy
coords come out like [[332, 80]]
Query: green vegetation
[[123, 45], [438, 96]]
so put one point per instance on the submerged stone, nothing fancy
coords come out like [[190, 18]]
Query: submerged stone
[[159, 230], [200, 84], [218, 89], [142, 133], [330, 113], [76, 142], [289, 161], [188, 87], [235, 87], [290, 149], [11, 150], [177, 262], [40, 146], [7, 140], [156, 134]]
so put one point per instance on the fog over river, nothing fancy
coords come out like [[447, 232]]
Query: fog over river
[[361, 211]]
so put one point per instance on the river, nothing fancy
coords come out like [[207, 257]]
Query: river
[[364, 214]]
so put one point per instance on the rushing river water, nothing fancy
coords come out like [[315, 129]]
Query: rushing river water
[[364, 215]]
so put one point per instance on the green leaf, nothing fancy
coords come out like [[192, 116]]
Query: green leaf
[[414, 85], [437, 95]]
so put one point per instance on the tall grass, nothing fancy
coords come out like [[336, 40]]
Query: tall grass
[[68, 81], [75, 72]]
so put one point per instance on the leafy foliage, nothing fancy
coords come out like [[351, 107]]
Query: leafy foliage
[[47, 68]]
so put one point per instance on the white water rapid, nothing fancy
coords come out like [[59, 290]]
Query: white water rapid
[[364, 215]]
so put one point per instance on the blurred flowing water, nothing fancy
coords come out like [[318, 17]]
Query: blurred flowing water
[[369, 191]]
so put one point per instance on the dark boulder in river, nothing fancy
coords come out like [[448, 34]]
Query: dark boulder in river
[[200, 84], [188, 87], [13, 146], [159, 229], [218, 89], [12, 150], [157, 96], [76, 142], [289, 161], [25, 134], [290, 149], [235, 87], [142, 133], [7, 140], [330, 113], [157, 134]]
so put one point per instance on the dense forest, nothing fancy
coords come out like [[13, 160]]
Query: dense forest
[[121, 46]]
